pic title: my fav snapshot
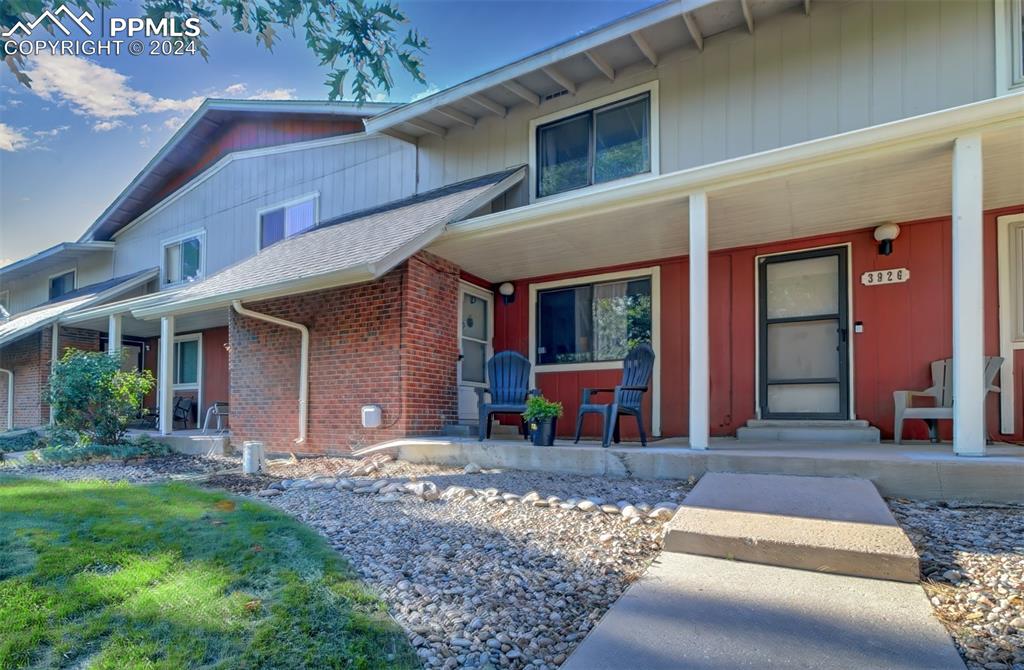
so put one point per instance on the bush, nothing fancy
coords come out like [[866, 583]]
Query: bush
[[67, 452], [94, 398], [19, 440], [539, 408]]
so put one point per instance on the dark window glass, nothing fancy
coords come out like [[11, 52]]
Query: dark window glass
[[186, 362], [272, 227], [564, 155], [602, 145], [190, 258], [593, 322], [62, 284]]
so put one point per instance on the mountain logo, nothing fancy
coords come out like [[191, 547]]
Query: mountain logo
[[54, 18]]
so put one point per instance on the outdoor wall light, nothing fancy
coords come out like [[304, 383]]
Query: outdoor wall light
[[508, 292], [884, 235]]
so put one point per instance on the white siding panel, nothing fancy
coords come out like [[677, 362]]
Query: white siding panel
[[349, 177], [847, 66]]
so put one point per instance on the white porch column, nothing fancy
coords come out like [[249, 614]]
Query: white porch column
[[165, 380], [700, 370], [114, 335], [968, 300], [54, 357]]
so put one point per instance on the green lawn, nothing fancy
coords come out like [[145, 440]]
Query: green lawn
[[118, 576]]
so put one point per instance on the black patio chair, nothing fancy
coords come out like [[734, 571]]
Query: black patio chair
[[627, 397], [508, 377], [182, 410]]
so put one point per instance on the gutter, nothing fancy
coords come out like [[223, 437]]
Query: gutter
[[10, 398], [303, 362]]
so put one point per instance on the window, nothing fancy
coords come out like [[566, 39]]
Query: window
[[1015, 248], [593, 322], [186, 362], [62, 284], [286, 220], [596, 146], [183, 259], [1009, 45], [5, 304]]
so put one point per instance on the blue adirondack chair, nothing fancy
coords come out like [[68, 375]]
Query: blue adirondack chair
[[627, 397], [508, 376]]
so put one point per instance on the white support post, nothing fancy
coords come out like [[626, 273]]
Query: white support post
[[54, 357], [114, 335], [165, 382], [968, 300], [700, 370]]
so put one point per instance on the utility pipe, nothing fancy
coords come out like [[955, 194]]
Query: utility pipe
[[10, 398], [303, 362]]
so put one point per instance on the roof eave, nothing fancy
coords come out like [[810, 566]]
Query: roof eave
[[53, 251]]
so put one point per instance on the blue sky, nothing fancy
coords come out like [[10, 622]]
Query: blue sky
[[70, 145]]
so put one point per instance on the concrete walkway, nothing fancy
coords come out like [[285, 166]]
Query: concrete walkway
[[695, 612]]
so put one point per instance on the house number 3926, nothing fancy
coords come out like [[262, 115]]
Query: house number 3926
[[878, 277]]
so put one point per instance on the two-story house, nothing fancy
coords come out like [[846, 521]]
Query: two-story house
[[800, 205]]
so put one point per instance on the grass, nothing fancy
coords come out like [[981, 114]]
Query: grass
[[105, 575]]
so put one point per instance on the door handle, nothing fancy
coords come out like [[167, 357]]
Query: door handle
[[842, 335]]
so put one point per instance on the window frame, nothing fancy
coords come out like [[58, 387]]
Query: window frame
[[74, 282], [608, 101], [1009, 43], [654, 272], [178, 339], [199, 234], [1010, 279], [5, 300], [314, 196]]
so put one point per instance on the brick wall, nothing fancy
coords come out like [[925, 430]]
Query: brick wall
[[392, 342], [29, 360]]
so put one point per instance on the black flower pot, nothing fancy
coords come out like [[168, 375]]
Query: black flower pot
[[542, 432]]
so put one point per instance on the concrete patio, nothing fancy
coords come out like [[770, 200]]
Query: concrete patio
[[913, 470]]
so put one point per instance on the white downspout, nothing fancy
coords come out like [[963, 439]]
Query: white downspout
[[303, 362], [10, 398]]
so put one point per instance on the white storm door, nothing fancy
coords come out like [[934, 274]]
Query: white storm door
[[476, 326]]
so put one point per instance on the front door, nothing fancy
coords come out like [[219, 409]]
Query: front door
[[803, 335], [475, 326]]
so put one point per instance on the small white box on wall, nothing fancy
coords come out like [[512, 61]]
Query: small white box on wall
[[371, 416]]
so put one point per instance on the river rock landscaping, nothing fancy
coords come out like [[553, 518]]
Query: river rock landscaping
[[972, 565]]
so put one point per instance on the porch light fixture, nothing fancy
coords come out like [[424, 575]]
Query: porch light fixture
[[508, 292], [884, 235]]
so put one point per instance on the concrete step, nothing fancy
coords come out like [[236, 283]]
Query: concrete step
[[498, 431], [846, 432], [825, 524]]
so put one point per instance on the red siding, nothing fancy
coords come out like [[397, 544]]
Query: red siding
[[215, 368], [905, 327]]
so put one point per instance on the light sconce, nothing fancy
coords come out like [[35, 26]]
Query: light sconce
[[508, 292], [884, 235]]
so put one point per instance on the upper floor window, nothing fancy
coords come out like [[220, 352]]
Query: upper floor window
[[61, 284], [590, 323], [1009, 45], [596, 146], [287, 220], [183, 259]]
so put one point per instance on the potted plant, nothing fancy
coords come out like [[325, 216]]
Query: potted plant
[[542, 416]]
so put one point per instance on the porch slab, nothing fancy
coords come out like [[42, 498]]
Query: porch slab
[[709, 613], [920, 471], [824, 524], [192, 442]]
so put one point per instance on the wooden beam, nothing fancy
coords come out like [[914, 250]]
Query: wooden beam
[[807, 7], [560, 79], [601, 64], [456, 115], [691, 25], [523, 92], [645, 47], [428, 127], [747, 16], [399, 135], [489, 105]]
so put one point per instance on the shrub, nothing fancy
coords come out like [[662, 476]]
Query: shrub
[[19, 440], [67, 452], [539, 408], [94, 398]]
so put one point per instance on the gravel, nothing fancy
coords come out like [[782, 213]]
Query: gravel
[[491, 569], [972, 563]]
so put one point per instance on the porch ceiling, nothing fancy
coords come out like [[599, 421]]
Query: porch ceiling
[[808, 199]]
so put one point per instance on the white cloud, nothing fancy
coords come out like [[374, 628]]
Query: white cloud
[[431, 89], [5, 261], [235, 89], [273, 94], [106, 126], [53, 132], [12, 139], [95, 91], [174, 122]]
